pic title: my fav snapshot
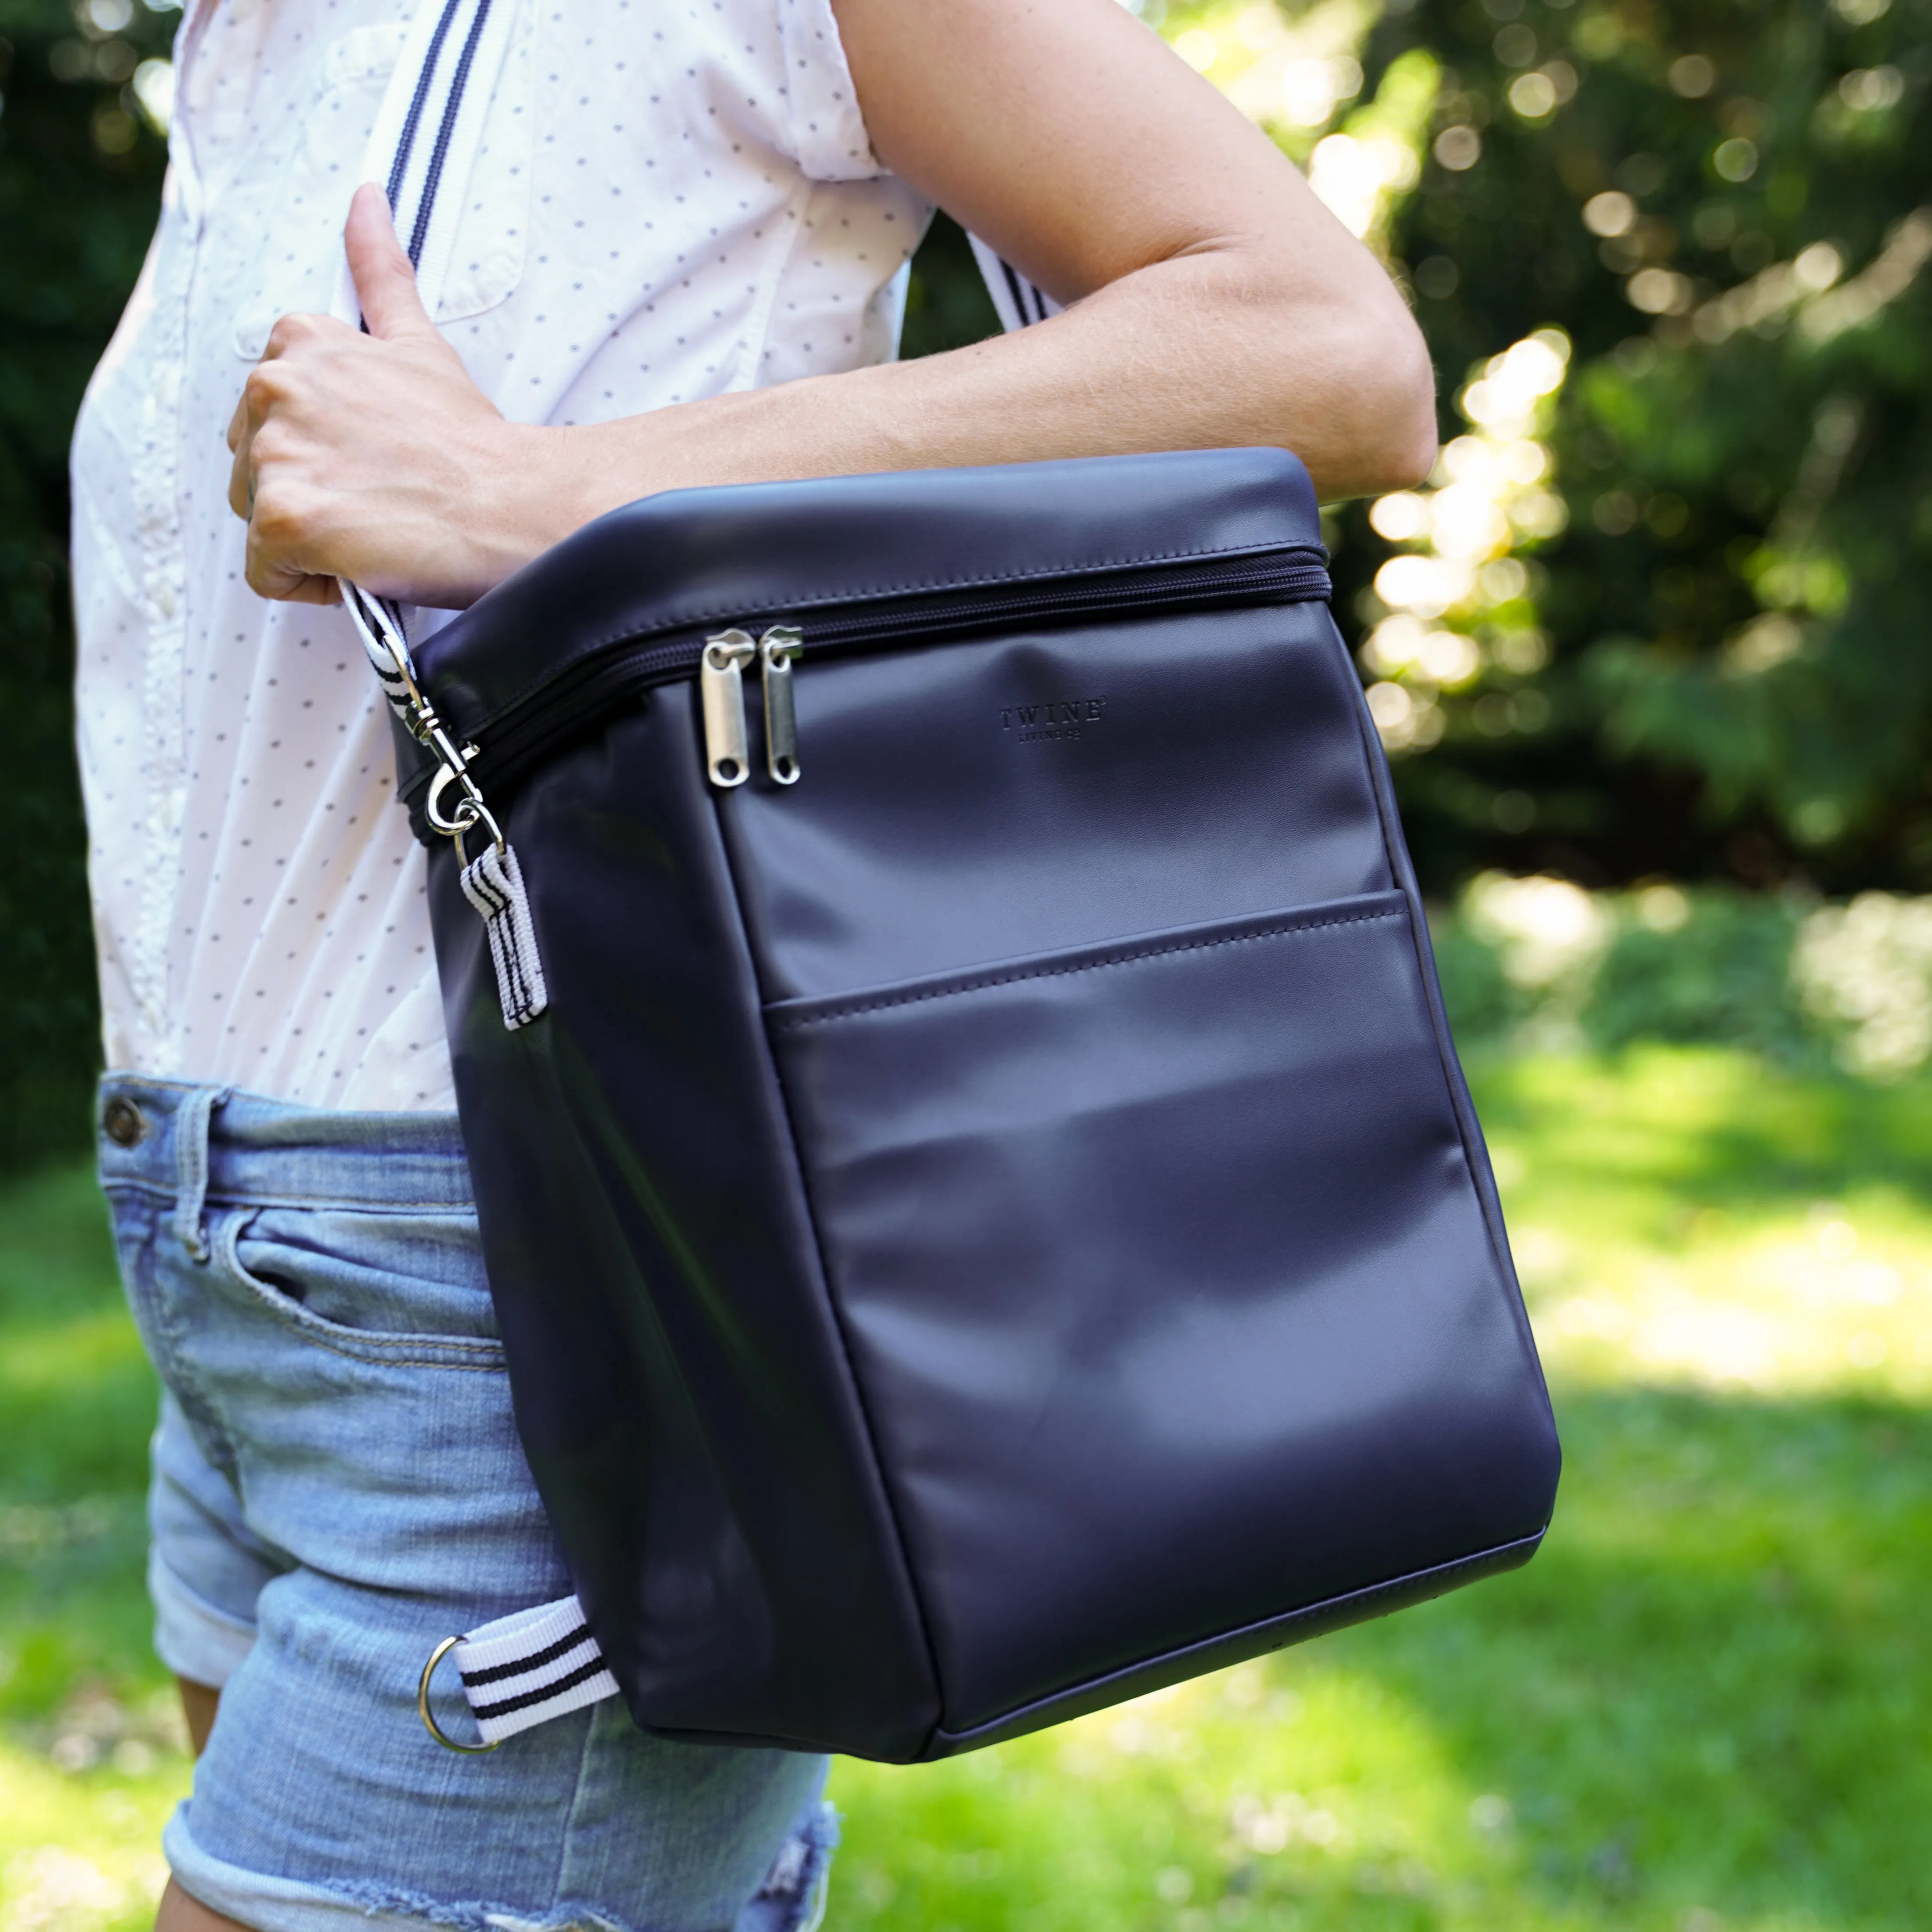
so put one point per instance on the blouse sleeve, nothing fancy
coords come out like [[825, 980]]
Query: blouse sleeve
[[828, 132]]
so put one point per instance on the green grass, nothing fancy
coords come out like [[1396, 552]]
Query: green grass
[[91, 1753], [1705, 1705]]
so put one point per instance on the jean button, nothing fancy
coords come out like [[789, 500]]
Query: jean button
[[121, 1121]]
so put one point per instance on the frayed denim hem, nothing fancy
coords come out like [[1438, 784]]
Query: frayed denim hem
[[792, 1898], [272, 1904]]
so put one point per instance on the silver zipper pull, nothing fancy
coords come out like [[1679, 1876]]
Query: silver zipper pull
[[775, 650], [721, 689]]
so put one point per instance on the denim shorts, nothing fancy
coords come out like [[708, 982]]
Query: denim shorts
[[338, 1485]]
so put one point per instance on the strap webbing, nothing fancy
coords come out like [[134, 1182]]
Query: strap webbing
[[493, 883], [529, 1667], [428, 131]]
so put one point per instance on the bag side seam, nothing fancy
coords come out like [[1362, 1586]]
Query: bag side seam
[[1284, 931], [882, 1486], [1461, 1107], [1093, 567]]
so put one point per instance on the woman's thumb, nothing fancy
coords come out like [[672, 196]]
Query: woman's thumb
[[384, 277]]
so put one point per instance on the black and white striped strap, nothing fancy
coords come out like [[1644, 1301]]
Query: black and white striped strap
[[426, 136], [378, 623], [430, 128], [493, 883], [428, 131], [528, 1668]]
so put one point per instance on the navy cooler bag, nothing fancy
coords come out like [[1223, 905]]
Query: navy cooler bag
[[984, 1214], [983, 1210]]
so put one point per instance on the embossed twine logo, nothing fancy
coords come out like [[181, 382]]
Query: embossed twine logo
[[1060, 717]]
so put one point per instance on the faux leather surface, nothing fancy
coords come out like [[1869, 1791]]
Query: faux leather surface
[[1213, 766], [680, 1387], [691, 560], [1133, 1265], [1236, 1646], [1000, 1218]]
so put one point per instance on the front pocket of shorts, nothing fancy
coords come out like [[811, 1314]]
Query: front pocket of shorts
[[386, 1288], [1139, 1246]]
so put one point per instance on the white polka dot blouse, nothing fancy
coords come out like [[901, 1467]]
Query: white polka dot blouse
[[671, 200]]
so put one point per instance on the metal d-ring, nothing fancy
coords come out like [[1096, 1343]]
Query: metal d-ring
[[429, 1717], [470, 810], [433, 805]]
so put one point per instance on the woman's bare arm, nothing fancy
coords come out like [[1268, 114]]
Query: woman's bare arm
[[1214, 301]]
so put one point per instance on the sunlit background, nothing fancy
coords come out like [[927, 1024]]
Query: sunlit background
[[1649, 654]]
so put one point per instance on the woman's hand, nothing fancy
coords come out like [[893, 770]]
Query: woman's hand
[[374, 457]]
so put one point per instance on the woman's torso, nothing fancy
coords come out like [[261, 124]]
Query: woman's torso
[[670, 203]]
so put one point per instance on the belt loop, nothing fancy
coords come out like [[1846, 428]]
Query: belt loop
[[190, 1147]]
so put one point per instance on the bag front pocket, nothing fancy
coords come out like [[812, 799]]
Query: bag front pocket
[[1170, 1245]]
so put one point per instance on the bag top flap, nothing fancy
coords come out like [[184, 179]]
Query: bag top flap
[[690, 560]]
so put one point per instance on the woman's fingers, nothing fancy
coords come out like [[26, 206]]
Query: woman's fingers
[[272, 435], [268, 389], [240, 472], [370, 454], [275, 560], [384, 276], [296, 587]]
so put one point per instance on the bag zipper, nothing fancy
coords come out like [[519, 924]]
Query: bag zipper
[[721, 698], [721, 693], [721, 660]]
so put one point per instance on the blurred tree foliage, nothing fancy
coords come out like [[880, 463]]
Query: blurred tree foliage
[[947, 305], [79, 178], [1725, 204]]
